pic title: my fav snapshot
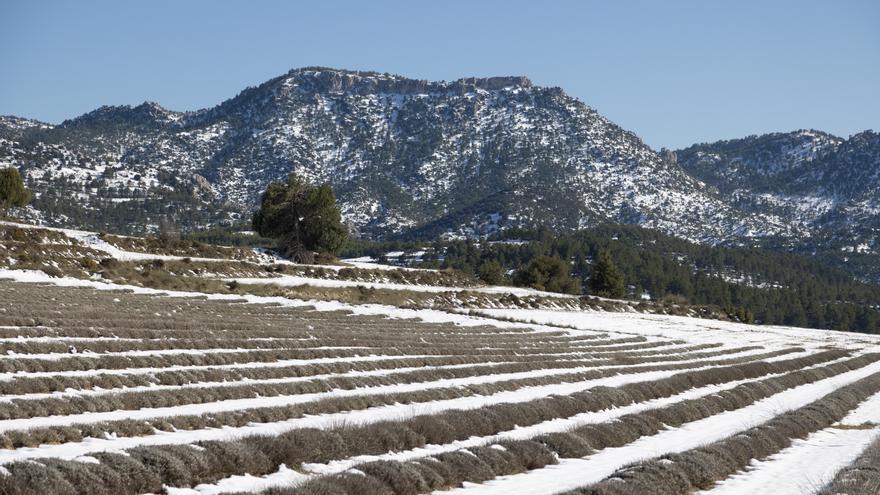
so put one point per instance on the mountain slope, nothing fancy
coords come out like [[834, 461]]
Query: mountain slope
[[412, 158], [824, 185], [404, 156]]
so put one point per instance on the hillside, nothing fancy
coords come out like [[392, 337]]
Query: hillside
[[154, 372], [418, 159], [825, 185], [405, 156], [746, 283]]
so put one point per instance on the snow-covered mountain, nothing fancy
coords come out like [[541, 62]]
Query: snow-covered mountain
[[412, 157], [828, 186]]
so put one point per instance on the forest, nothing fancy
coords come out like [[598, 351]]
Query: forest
[[751, 284]]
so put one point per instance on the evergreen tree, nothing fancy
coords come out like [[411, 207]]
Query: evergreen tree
[[12, 190], [302, 218], [750, 284], [491, 272], [548, 273], [605, 279]]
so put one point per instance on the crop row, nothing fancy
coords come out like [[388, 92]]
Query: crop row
[[166, 398], [587, 439], [22, 350], [862, 477], [67, 429], [700, 468], [305, 445], [118, 379]]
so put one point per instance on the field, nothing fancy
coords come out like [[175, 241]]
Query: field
[[113, 388]]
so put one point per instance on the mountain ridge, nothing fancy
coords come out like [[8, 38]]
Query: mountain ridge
[[411, 157]]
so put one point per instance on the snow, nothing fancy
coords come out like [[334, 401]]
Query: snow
[[231, 383], [92, 240], [286, 477], [245, 483], [573, 473], [689, 329], [824, 452], [369, 263], [257, 364], [519, 395], [810, 463], [293, 281], [57, 356], [364, 416], [426, 315]]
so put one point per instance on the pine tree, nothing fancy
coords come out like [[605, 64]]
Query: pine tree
[[322, 225], [491, 272], [12, 190], [605, 279], [303, 218]]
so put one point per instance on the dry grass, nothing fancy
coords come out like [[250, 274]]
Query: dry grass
[[179, 247]]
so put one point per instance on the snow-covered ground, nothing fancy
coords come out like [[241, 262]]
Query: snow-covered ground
[[812, 462], [662, 340], [293, 281], [573, 473], [426, 315], [288, 476], [93, 240], [681, 327]]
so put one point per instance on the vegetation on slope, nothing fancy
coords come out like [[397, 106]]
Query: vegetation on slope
[[751, 284]]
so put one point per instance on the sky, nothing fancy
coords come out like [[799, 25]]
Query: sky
[[674, 72]]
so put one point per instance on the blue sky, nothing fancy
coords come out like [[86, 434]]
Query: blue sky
[[674, 72]]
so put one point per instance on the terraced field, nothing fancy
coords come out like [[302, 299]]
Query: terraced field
[[108, 391]]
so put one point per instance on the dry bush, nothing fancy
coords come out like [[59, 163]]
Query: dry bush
[[341, 484], [202, 324], [401, 478], [304, 445], [238, 458], [443, 471], [566, 444], [862, 477], [34, 478], [89, 478], [633, 426], [138, 478], [454, 425]]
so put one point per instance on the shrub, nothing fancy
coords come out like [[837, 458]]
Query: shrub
[[491, 272], [548, 273], [170, 468], [89, 478], [33, 478], [402, 478]]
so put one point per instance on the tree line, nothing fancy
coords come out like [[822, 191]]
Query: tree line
[[750, 284]]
